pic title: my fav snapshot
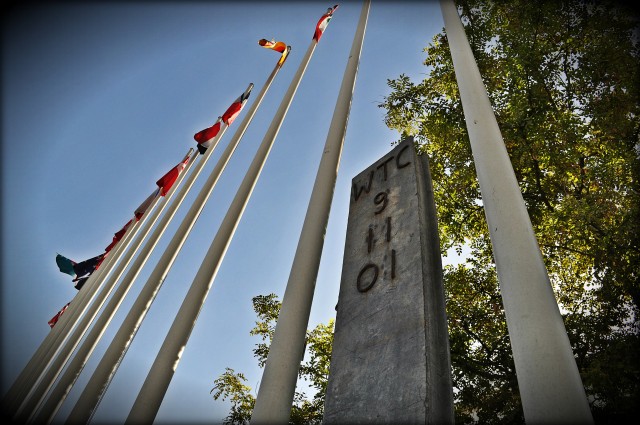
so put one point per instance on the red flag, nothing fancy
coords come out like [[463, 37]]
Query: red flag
[[170, 178], [55, 318], [117, 236], [101, 260], [120, 233], [111, 245], [205, 137], [232, 112], [139, 212], [323, 22]]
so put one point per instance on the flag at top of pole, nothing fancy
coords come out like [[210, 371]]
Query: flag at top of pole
[[278, 46], [323, 23], [232, 112], [142, 209], [166, 182], [65, 265], [206, 136], [150, 397], [55, 318]]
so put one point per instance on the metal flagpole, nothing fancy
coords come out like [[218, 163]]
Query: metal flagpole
[[548, 378], [108, 365], [278, 384], [137, 267], [152, 392], [47, 350], [64, 351], [74, 368]]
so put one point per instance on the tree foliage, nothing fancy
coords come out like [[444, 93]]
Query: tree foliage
[[314, 370], [564, 80]]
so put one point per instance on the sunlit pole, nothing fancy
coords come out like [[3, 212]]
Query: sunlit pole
[[95, 391], [550, 386], [36, 397], [29, 406], [278, 384], [74, 368], [148, 402], [110, 361], [39, 391]]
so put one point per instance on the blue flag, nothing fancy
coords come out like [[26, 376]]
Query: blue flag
[[65, 265]]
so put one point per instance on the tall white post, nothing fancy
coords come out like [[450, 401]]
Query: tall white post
[[36, 397], [48, 378], [550, 386], [278, 384], [94, 390], [48, 349], [73, 370], [110, 361], [148, 402]]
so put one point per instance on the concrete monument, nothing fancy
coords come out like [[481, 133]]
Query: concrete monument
[[390, 361]]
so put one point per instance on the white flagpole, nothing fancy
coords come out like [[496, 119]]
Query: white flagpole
[[64, 351], [152, 392], [40, 360], [56, 364], [183, 191], [108, 365], [278, 384], [550, 386], [74, 368]]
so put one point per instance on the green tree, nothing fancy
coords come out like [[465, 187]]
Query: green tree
[[315, 370], [564, 80]]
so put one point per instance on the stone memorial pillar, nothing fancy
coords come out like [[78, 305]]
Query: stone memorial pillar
[[390, 361]]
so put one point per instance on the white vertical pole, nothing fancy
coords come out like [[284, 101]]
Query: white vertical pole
[[46, 352], [550, 386], [148, 402], [39, 391], [153, 240], [73, 370], [278, 384], [108, 365]]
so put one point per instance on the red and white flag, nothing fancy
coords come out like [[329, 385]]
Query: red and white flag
[[234, 110], [55, 318], [165, 182], [139, 212], [323, 22], [117, 236], [205, 137]]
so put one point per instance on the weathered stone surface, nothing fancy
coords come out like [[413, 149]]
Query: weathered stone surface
[[390, 361]]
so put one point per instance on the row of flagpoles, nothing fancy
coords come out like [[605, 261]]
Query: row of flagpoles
[[41, 388]]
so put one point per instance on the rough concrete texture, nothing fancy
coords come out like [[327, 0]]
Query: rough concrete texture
[[390, 361]]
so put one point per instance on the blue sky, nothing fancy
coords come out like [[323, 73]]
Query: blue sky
[[101, 99]]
